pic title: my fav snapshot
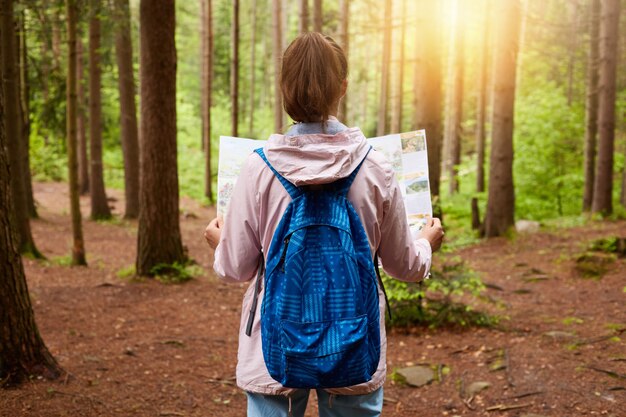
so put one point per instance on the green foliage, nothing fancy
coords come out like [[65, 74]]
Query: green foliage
[[175, 273], [435, 301], [48, 161]]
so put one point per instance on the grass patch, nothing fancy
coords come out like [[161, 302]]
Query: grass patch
[[176, 273]]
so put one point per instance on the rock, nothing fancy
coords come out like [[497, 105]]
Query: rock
[[560, 335], [417, 376], [476, 387], [527, 226]]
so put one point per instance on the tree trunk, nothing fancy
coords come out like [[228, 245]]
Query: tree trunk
[[78, 249], [128, 109], [500, 213], [573, 7], [344, 39], [23, 353], [427, 83], [455, 98], [207, 80], [304, 16], [277, 55], [384, 78], [318, 16], [591, 108], [603, 181], [99, 204], [396, 117], [234, 70], [81, 122], [253, 12], [13, 126], [481, 106], [25, 113], [159, 240]]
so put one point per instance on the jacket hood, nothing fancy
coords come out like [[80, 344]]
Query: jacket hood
[[316, 158]]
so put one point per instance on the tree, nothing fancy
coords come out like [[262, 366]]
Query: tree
[[25, 113], [318, 17], [277, 54], [207, 80], [427, 85], [603, 182], [455, 98], [344, 40], [253, 12], [304, 16], [591, 106], [384, 78], [22, 351], [396, 117], [481, 105], [13, 126], [501, 198], [128, 109], [234, 69], [159, 240], [81, 122], [78, 248], [99, 204]]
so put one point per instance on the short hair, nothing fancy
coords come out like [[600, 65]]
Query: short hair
[[314, 68]]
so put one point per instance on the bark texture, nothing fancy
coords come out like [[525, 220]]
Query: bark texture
[[381, 129], [13, 126], [207, 82], [128, 109], [78, 248], [81, 122], [318, 15], [591, 106], [234, 71], [99, 204], [304, 16], [603, 182], [159, 240], [500, 215], [427, 84], [344, 41], [481, 105], [277, 55]]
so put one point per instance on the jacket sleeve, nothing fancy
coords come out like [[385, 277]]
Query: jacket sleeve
[[238, 253], [402, 257]]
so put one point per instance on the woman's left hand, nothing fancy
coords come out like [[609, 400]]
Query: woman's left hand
[[213, 232]]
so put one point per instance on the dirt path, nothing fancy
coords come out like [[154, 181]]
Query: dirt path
[[148, 349]]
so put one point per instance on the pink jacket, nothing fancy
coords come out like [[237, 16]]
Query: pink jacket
[[258, 203]]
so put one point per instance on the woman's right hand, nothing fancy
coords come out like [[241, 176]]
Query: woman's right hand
[[433, 232]]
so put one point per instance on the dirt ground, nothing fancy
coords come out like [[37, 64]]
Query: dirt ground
[[149, 349]]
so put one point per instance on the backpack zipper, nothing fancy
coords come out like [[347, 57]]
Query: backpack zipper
[[284, 255]]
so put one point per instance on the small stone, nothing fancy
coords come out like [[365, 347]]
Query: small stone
[[527, 226], [560, 335], [475, 387], [417, 376]]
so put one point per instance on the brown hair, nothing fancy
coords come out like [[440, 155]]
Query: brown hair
[[313, 71]]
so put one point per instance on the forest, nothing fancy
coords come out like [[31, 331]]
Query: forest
[[111, 113]]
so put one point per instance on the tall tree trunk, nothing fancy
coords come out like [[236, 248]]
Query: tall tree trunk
[[99, 204], [344, 39], [384, 78], [207, 80], [234, 70], [481, 106], [78, 248], [591, 107], [318, 15], [603, 181], [396, 117], [23, 353], [427, 97], [500, 215], [277, 55], [455, 98], [573, 47], [25, 113], [253, 12], [13, 126], [304, 16], [128, 109], [81, 122], [159, 240]]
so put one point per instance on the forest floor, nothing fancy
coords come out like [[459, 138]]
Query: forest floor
[[143, 348]]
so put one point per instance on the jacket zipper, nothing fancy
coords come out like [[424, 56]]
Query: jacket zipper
[[284, 255]]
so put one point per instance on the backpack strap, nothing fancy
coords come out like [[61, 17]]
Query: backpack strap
[[382, 285], [291, 189], [343, 185], [257, 290]]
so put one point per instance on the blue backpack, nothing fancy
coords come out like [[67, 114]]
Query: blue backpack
[[320, 320]]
